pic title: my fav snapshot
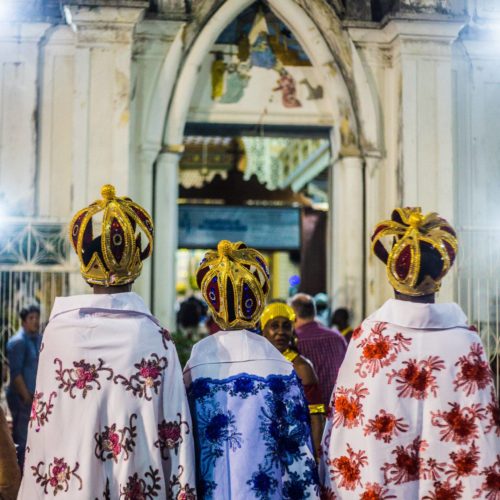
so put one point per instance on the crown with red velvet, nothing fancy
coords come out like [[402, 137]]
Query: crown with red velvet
[[410, 230], [234, 281], [114, 255]]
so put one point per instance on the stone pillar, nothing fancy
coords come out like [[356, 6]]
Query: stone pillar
[[348, 240], [166, 228], [102, 97]]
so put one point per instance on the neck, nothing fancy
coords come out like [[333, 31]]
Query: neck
[[423, 299], [99, 289], [303, 321]]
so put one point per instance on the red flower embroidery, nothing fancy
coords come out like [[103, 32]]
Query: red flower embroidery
[[408, 465], [138, 488], [347, 468], [385, 426], [58, 477], [165, 337], [113, 442], [416, 379], [458, 424], [357, 332], [348, 407], [40, 410], [463, 462], [170, 436], [474, 372], [490, 488], [185, 491], [445, 491], [84, 376], [494, 415], [147, 378], [375, 491], [379, 350], [327, 494]]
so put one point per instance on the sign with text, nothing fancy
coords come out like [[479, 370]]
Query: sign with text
[[265, 228]]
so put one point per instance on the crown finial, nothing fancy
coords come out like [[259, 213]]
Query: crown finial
[[108, 192], [416, 219], [225, 248]]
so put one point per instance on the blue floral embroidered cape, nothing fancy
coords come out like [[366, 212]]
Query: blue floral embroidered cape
[[253, 438]]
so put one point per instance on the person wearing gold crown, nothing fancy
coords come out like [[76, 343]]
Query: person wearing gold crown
[[110, 417], [414, 413], [250, 417]]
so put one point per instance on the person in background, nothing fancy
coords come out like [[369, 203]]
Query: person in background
[[341, 319], [322, 308], [323, 346], [415, 414], [277, 322], [250, 417], [189, 316], [23, 351], [110, 417], [10, 475]]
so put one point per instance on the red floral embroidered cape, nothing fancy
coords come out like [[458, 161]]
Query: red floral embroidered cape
[[414, 414], [110, 417]]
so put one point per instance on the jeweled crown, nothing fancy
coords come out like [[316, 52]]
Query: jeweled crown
[[114, 256], [234, 281], [409, 229]]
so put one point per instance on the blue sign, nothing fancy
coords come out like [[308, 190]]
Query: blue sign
[[265, 228]]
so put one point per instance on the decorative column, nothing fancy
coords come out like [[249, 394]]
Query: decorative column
[[348, 241], [101, 152], [166, 222]]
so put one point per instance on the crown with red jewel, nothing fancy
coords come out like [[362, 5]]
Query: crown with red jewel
[[114, 255]]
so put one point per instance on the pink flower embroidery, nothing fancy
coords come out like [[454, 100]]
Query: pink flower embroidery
[[58, 477], [170, 436]]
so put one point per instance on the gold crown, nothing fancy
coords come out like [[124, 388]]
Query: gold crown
[[409, 228], [114, 257], [234, 280], [275, 310]]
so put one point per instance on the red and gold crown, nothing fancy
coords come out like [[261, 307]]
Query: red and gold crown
[[114, 256], [409, 228], [234, 280]]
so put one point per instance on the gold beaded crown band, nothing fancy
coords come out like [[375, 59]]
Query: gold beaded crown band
[[234, 280], [113, 257], [411, 232], [276, 310]]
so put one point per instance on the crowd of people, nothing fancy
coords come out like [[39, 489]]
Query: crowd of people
[[273, 405]]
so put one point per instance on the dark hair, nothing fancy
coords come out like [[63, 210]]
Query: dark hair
[[25, 311], [341, 314], [304, 306], [431, 263]]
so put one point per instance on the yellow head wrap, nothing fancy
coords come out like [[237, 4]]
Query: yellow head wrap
[[275, 310]]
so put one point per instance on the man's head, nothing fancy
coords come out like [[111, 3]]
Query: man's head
[[341, 318], [423, 251], [112, 258], [30, 319], [234, 281], [304, 307]]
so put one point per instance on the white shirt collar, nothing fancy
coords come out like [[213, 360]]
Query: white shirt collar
[[421, 316], [128, 301]]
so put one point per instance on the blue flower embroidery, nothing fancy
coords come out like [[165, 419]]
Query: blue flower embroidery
[[262, 483], [243, 387]]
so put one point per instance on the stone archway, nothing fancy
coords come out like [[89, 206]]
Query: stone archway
[[176, 84]]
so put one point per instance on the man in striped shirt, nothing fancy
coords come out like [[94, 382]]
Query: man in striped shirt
[[325, 347]]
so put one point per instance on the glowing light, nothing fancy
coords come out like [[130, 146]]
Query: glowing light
[[294, 280]]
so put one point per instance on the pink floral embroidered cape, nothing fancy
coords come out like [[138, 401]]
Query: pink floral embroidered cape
[[110, 418], [414, 413]]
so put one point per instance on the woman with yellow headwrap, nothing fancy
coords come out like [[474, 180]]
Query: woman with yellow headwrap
[[414, 413], [250, 417], [277, 326]]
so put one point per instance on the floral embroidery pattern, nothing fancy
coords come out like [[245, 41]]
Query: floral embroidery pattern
[[375, 491], [474, 372], [348, 406], [106, 494], [490, 488], [385, 426], [379, 350], [165, 337], [445, 491], [185, 492], [138, 488], [493, 415], [113, 442], [40, 410], [416, 379], [147, 379], [82, 377], [262, 483], [244, 387], [347, 468], [170, 436], [458, 424], [58, 477], [463, 462]]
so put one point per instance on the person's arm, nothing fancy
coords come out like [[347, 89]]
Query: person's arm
[[20, 387], [15, 355], [309, 380]]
